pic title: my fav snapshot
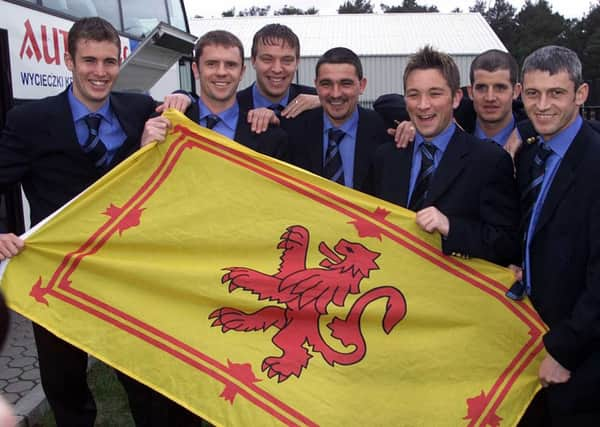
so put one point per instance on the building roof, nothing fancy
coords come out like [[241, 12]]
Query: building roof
[[389, 34]]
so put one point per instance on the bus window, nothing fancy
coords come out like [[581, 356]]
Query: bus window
[[176, 14], [139, 18], [109, 10]]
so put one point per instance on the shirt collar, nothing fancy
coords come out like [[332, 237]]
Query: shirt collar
[[229, 116], [500, 137], [261, 101], [561, 142], [440, 141], [79, 110], [349, 126]]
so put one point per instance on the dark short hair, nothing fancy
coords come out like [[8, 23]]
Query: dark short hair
[[92, 28], [554, 59], [428, 58], [220, 38], [494, 60], [340, 55], [274, 34]]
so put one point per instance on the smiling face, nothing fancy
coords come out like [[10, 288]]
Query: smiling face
[[430, 101], [551, 101], [219, 70], [492, 93], [275, 65], [95, 68], [339, 87]]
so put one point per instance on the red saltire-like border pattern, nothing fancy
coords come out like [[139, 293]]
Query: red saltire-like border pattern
[[482, 408]]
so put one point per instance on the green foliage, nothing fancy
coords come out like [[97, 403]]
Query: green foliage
[[356, 6], [228, 13], [255, 11], [292, 10], [407, 6]]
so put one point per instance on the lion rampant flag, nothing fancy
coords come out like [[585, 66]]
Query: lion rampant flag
[[255, 293]]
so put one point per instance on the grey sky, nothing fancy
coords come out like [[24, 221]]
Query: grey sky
[[568, 8]]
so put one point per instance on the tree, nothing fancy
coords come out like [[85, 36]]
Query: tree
[[538, 26], [407, 6], [501, 17], [292, 10], [479, 6], [255, 11], [228, 13], [356, 6], [456, 10]]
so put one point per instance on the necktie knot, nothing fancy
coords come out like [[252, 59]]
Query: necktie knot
[[542, 154], [276, 108], [93, 123], [212, 120], [336, 135]]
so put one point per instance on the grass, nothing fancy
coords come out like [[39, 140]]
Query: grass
[[111, 400]]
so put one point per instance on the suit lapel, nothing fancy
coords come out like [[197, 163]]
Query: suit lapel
[[63, 130], [452, 163], [314, 136], [362, 149], [562, 181], [403, 161]]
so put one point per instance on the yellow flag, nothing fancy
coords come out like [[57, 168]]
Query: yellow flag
[[255, 293]]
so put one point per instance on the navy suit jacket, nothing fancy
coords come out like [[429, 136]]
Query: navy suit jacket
[[565, 269], [306, 140], [273, 142], [39, 149], [473, 186]]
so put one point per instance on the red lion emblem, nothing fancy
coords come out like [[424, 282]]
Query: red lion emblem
[[306, 293]]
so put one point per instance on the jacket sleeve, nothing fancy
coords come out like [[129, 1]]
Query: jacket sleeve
[[494, 235]]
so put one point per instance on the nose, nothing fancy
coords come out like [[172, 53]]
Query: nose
[[276, 66], [221, 70], [336, 91], [423, 103], [489, 94], [543, 102]]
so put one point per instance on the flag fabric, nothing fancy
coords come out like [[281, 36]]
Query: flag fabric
[[255, 293]]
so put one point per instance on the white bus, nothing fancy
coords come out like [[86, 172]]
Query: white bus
[[156, 49]]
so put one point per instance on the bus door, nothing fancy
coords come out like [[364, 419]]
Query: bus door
[[11, 206]]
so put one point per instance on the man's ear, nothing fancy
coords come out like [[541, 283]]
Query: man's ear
[[69, 62]]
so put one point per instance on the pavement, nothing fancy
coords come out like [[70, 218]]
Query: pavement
[[19, 373]]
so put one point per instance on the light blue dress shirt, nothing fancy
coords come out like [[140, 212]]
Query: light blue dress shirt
[[229, 118], [260, 101], [111, 133], [501, 137], [440, 142]]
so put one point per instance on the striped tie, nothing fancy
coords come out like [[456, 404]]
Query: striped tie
[[528, 199], [333, 168], [532, 191], [419, 194], [94, 146]]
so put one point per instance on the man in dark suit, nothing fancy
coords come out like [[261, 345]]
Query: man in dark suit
[[273, 97], [561, 218], [56, 147], [460, 186], [219, 66], [339, 81]]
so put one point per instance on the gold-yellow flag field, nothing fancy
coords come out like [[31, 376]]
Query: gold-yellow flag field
[[255, 293]]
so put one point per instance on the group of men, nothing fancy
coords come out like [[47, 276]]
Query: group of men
[[537, 211]]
